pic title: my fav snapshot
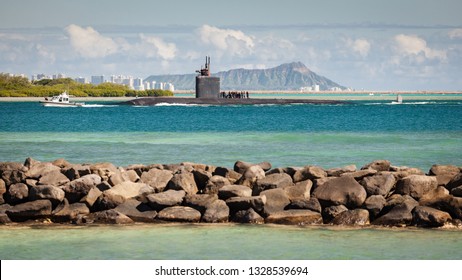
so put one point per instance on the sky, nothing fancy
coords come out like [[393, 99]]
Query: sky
[[361, 44]]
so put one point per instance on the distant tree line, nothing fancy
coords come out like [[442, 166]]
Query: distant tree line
[[13, 86]]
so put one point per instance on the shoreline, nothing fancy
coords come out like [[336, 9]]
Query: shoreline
[[375, 195]]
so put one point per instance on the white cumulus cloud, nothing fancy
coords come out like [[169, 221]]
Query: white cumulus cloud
[[90, 43], [166, 51], [412, 45], [234, 42], [360, 46]]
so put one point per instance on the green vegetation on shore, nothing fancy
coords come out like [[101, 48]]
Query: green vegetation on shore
[[12, 86]]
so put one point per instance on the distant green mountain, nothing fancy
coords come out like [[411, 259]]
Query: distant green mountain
[[289, 76]]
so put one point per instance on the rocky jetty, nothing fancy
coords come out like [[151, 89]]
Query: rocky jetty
[[376, 194]]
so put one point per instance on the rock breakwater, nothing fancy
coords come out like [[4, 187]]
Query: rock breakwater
[[378, 194]]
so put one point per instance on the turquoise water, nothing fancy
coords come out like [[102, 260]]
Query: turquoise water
[[417, 133], [225, 242]]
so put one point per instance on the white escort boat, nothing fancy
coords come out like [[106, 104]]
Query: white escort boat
[[61, 100]]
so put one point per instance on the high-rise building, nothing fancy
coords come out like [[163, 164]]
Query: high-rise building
[[96, 80], [81, 80], [138, 84]]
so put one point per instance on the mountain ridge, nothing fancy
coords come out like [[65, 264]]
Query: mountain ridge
[[287, 76]]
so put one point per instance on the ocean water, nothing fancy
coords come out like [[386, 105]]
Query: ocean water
[[418, 133]]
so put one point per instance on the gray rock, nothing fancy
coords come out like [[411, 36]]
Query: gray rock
[[108, 217], [287, 170], [455, 182], [76, 171], [11, 177], [379, 165], [356, 217], [30, 211], [61, 163], [251, 175], [201, 177], [416, 185], [241, 166], [374, 204], [92, 196], [229, 191], [272, 181], [216, 212], [399, 215], [157, 179], [300, 191], [79, 188], [248, 216], [336, 172], [52, 193], [429, 217], [41, 169], [309, 173], [200, 202], [230, 174], [215, 183], [159, 201], [70, 212], [129, 189], [137, 211], [54, 178], [243, 203], [276, 201], [103, 169], [380, 184], [180, 214], [444, 173], [295, 217], [341, 191], [358, 175], [17, 193], [457, 191], [183, 181], [310, 204], [329, 213]]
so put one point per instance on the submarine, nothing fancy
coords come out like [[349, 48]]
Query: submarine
[[208, 93]]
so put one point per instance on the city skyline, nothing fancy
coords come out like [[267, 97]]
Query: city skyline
[[376, 45]]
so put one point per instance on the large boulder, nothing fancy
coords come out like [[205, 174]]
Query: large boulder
[[91, 197], [242, 166], [137, 211], [299, 191], [80, 187], [159, 201], [180, 214], [52, 193], [416, 185], [399, 215], [201, 177], [229, 191], [216, 212], [295, 217], [341, 191], [272, 181], [429, 217], [310, 204], [30, 211], [329, 213], [40, 169], [54, 178], [17, 193], [379, 165], [230, 174], [444, 173], [251, 175], [108, 217], [248, 216], [356, 217], [336, 172], [157, 179], [457, 191], [215, 183], [69, 212], [183, 181], [199, 202], [287, 170], [358, 175], [310, 172], [118, 194], [76, 171], [455, 182], [374, 204], [380, 184], [103, 169], [276, 201], [12, 172], [243, 203]]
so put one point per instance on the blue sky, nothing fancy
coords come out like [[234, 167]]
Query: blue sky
[[376, 45]]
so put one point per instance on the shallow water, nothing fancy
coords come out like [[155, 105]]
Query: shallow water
[[224, 242]]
